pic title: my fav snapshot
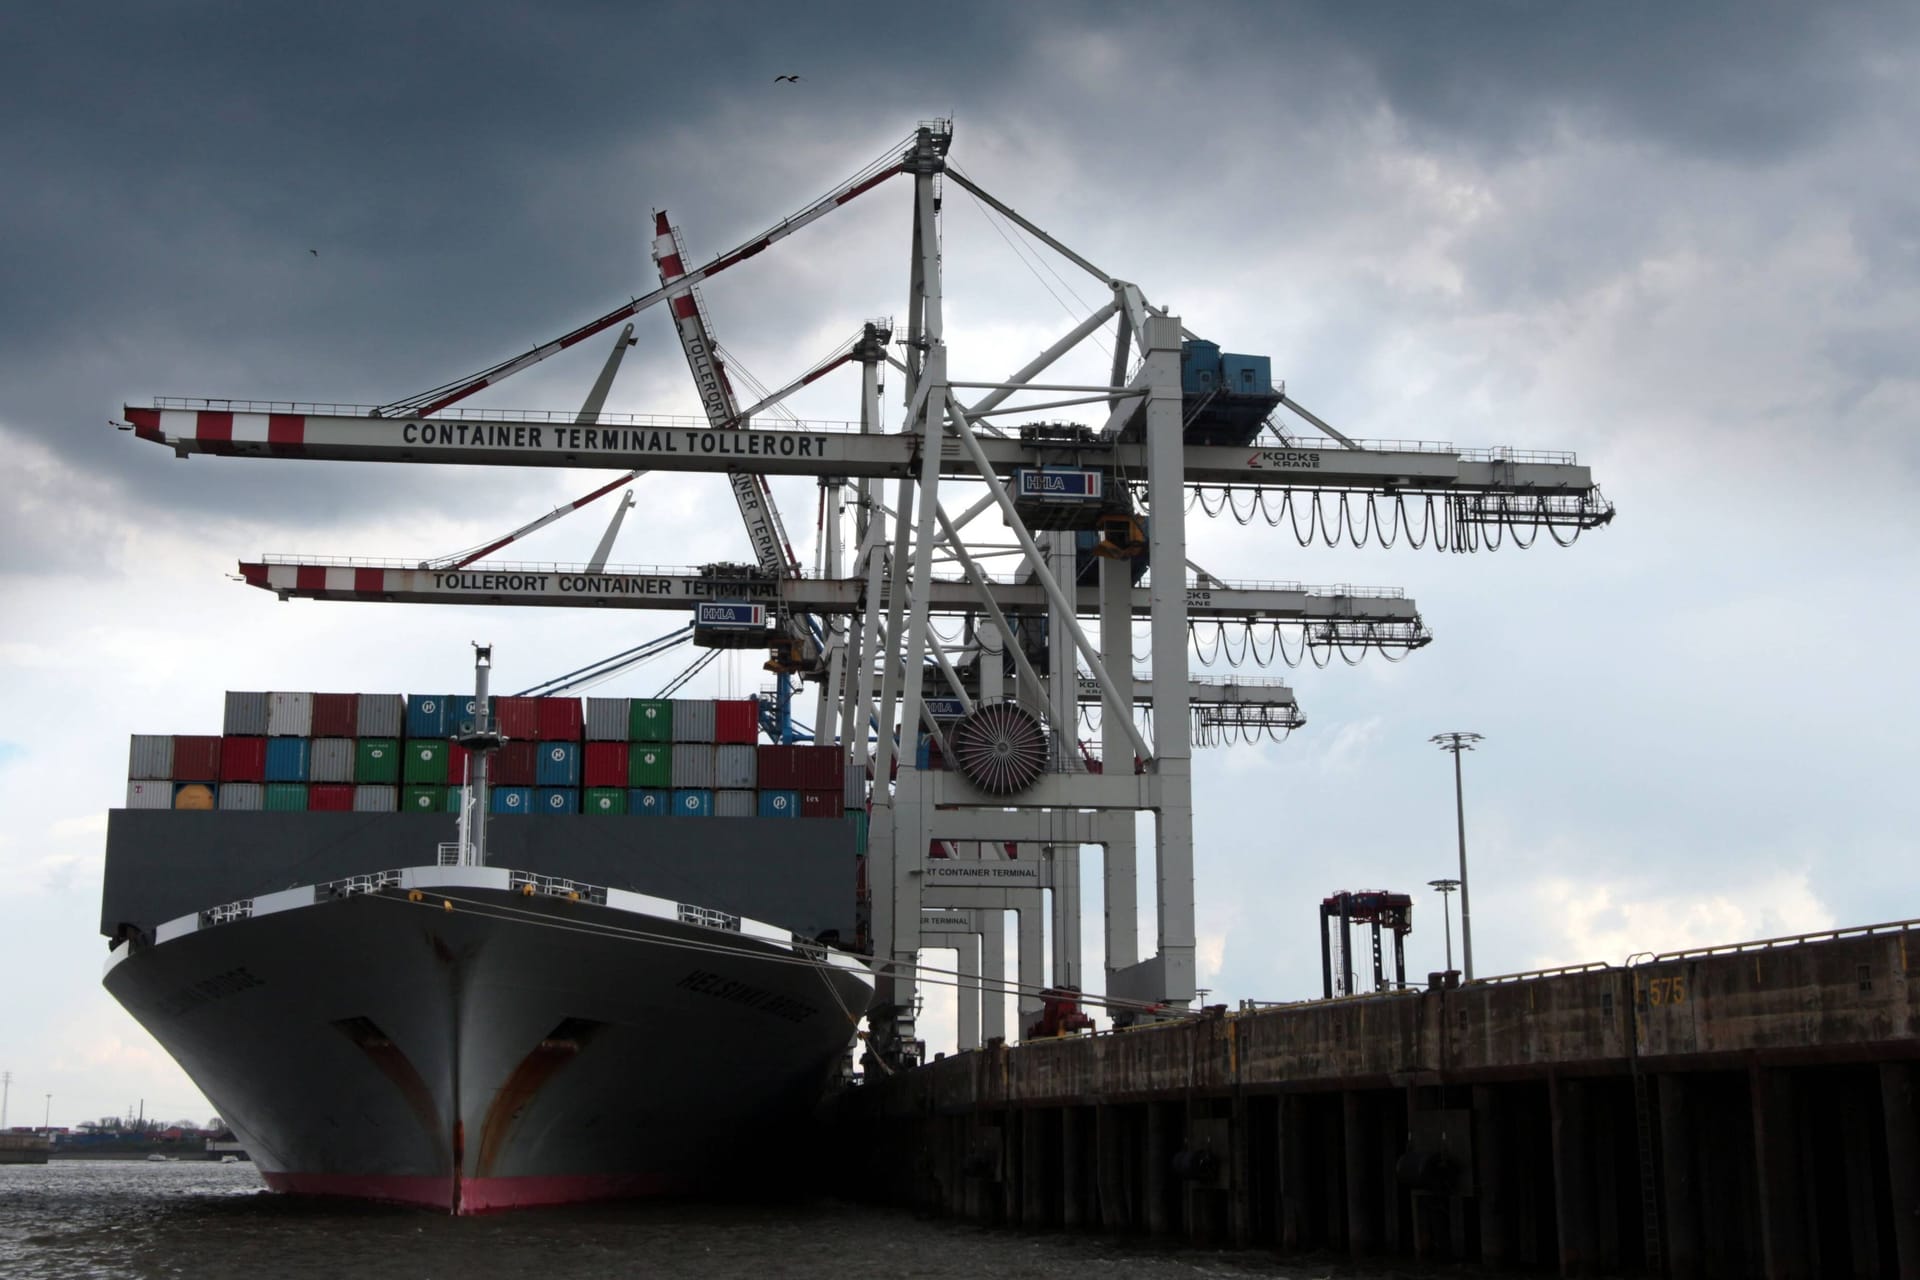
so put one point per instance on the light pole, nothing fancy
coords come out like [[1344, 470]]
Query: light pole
[[1456, 743], [1446, 919]]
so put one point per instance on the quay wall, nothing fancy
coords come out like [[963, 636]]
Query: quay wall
[[1733, 1112]]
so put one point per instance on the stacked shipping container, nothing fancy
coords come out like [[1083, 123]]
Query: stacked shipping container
[[382, 753]]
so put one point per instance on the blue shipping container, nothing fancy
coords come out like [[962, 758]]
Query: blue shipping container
[[287, 759], [648, 802], [511, 800], [558, 764], [427, 715], [693, 804], [557, 800], [779, 804]]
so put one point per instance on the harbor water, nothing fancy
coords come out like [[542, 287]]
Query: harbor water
[[105, 1219]]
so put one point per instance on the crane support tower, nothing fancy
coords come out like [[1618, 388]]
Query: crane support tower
[[992, 750]]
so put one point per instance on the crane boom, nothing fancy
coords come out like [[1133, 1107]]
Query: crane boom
[[428, 402], [771, 549]]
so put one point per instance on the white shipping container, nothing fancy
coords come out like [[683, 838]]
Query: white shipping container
[[146, 794], [734, 767], [246, 715], [606, 719], [243, 797], [692, 766], [733, 804], [330, 760], [151, 756], [380, 715], [289, 715], [693, 722], [376, 799]]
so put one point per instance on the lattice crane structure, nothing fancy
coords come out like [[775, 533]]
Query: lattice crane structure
[[1024, 727]]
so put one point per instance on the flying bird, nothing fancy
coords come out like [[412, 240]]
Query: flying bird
[[314, 252], [788, 79]]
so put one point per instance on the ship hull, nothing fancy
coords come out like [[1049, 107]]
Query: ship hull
[[454, 1041]]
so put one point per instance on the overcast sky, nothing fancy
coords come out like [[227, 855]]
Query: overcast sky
[[1682, 241]]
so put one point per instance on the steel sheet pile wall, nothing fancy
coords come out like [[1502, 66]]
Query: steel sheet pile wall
[[382, 752]]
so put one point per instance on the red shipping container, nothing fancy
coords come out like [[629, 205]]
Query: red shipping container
[[606, 764], [559, 720], [736, 721], [336, 715], [457, 757], [517, 718], [197, 759], [328, 797], [513, 764], [818, 769], [775, 767], [820, 804], [243, 759]]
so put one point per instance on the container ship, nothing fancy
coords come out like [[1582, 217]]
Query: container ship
[[640, 982]]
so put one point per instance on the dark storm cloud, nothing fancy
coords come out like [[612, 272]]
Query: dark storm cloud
[[475, 179], [1746, 83]]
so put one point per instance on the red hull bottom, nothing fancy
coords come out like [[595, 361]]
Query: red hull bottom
[[470, 1195]]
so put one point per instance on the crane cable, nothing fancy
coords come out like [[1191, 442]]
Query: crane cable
[[693, 669], [1457, 522], [595, 672]]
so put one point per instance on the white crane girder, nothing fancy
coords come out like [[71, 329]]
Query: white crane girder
[[579, 586], [250, 429]]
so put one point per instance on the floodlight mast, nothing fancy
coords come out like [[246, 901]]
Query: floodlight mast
[[1457, 743], [1443, 888]]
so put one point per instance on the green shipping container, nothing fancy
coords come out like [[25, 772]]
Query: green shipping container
[[426, 798], [649, 765], [376, 760], [605, 800], [426, 762], [286, 797], [859, 817], [650, 720]]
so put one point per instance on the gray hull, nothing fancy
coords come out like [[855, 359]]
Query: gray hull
[[460, 1040]]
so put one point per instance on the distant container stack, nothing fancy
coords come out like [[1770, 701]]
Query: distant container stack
[[385, 753]]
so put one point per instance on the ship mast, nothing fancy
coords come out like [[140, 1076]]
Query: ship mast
[[480, 740]]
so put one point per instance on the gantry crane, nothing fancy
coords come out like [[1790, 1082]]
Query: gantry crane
[[1380, 909], [1158, 445]]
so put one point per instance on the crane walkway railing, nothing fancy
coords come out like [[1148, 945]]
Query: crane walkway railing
[[506, 566], [1790, 940], [566, 417]]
